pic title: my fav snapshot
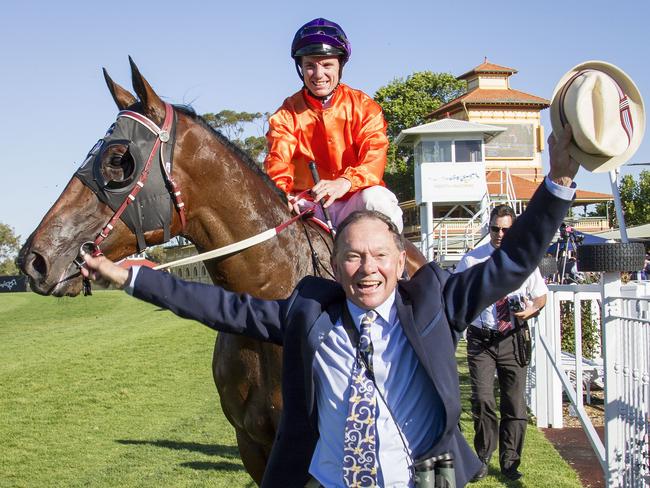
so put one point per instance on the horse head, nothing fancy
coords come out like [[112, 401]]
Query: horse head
[[87, 211]]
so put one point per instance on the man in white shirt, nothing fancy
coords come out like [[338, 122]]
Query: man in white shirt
[[492, 345]]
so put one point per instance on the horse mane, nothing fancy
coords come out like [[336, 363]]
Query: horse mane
[[239, 152]]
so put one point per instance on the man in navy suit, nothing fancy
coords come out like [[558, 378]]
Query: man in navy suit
[[412, 334]]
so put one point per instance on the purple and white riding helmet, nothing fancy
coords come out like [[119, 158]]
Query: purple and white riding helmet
[[320, 37]]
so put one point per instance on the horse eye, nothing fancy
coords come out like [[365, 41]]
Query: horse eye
[[115, 161], [118, 166]]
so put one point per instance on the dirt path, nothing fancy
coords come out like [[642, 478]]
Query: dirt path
[[574, 446]]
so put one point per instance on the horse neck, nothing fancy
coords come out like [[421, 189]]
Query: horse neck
[[233, 202]]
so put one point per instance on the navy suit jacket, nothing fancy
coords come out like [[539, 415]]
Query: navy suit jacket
[[431, 306]]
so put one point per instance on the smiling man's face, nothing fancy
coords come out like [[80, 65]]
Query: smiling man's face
[[368, 262], [320, 74]]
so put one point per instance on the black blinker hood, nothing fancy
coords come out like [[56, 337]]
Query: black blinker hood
[[153, 205]]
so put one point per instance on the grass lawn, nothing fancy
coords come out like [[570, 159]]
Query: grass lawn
[[109, 391], [541, 463]]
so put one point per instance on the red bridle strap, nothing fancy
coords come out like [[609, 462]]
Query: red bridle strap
[[162, 137]]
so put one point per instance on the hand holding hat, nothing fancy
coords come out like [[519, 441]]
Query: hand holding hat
[[605, 111], [563, 166]]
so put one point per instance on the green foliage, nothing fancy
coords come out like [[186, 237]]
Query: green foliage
[[233, 124], [255, 146], [590, 328], [406, 103], [9, 247], [600, 209], [635, 198]]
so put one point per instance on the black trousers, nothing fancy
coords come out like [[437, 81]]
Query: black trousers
[[487, 353]]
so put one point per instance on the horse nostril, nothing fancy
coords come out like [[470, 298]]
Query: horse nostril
[[39, 264]]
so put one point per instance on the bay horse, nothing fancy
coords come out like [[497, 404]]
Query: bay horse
[[221, 196]]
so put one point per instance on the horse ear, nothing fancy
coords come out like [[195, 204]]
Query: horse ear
[[123, 98], [152, 105]]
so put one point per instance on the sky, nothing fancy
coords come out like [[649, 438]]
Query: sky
[[235, 55]]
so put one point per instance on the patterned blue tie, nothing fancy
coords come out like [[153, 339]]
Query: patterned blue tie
[[359, 444]]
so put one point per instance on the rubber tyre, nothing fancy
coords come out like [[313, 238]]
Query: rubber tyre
[[611, 256], [547, 266]]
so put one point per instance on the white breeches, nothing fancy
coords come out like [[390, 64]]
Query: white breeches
[[372, 198]]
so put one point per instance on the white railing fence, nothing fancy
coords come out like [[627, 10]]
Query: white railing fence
[[625, 365]]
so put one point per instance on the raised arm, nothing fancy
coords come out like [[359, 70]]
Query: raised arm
[[470, 291]]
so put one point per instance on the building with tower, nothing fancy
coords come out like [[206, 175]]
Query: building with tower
[[493, 130]]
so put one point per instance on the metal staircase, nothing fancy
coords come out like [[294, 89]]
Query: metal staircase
[[451, 238]]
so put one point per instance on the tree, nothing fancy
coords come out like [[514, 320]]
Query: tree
[[233, 125], [635, 198], [406, 103], [9, 247]]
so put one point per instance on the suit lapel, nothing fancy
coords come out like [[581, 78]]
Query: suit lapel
[[407, 322], [405, 315]]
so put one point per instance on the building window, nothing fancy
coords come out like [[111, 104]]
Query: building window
[[518, 141], [433, 152], [468, 151]]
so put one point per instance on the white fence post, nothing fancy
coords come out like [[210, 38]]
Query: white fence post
[[547, 406], [626, 346], [612, 353]]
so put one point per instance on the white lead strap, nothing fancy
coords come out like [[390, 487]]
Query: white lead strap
[[223, 251]]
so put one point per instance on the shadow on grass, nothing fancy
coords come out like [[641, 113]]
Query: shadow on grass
[[495, 474], [507, 482], [205, 466], [208, 449]]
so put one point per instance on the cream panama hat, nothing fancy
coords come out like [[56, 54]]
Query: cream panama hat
[[605, 110]]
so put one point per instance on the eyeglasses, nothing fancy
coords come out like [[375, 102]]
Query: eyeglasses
[[496, 229]]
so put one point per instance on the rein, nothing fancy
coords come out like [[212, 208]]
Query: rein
[[236, 246], [253, 241]]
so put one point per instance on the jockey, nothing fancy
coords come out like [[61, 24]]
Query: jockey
[[341, 129]]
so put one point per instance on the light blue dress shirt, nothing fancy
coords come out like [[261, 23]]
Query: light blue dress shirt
[[406, 392]]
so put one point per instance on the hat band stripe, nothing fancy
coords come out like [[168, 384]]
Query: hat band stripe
[[623, 105], [626, 118], [565, 88]]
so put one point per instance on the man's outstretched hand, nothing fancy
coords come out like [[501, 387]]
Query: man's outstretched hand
[[102, 268]]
